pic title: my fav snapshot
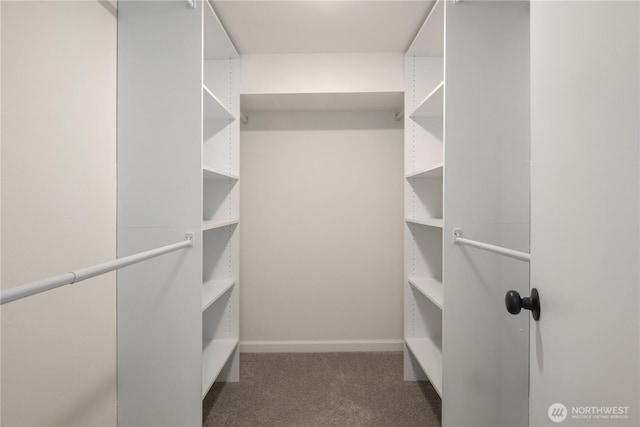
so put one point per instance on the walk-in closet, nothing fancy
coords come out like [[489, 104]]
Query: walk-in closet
[[320, 213]]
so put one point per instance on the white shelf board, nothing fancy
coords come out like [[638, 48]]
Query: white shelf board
[[214, 289], [430, 287], [432, 105], [432, 172], [208, 173], [337, 101], [213, 108], [430, 38], [431, 222], [210, 225], [214, 356], [217, 44], [428, 354]]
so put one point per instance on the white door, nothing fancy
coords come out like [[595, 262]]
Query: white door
[[585, 115]]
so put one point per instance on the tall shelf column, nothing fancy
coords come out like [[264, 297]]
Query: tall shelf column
[[178, 171], [220, 204], [424, 165]]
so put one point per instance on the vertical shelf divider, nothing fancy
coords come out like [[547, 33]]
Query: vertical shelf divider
[[220, 204], [424, 291]]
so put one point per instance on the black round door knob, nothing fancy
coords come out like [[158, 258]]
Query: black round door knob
[[514, 303]]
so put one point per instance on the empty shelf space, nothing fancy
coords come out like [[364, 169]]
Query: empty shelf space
[[432, 105], [217, 44], [214, 289], [213, 108], [429, 287], [428, 354], [209, 173], [431, 222], [210, 225], [214, 356], [430, 39], [432, 172]]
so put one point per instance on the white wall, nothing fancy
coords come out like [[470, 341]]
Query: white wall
[[320, 73], [321, 241], [58, 211]]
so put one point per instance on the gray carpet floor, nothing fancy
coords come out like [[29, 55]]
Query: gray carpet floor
[[322, 390]]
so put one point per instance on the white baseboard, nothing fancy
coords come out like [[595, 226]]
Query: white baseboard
[[320, 346]]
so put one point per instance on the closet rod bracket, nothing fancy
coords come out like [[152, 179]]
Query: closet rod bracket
[[457, 232], [189, 236]]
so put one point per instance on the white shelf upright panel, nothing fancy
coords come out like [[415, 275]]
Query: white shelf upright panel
[[424, 290], [178, 171], [221, 203]]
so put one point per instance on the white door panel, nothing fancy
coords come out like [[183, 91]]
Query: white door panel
[[585, 112]]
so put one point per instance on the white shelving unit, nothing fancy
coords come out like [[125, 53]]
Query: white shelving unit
[[424, 294], [431, 222], [469, 170], [432, 172], [430, 287], [220, 203], [214, 289], [216, 352], [428, 353], [178, 171], [213, 108], [432, 105], [209, 173], [211, 224]]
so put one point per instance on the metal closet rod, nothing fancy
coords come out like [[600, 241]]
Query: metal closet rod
[[458, 239], [89, 272]]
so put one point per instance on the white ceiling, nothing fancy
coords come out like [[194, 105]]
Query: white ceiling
[[328, 26]]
